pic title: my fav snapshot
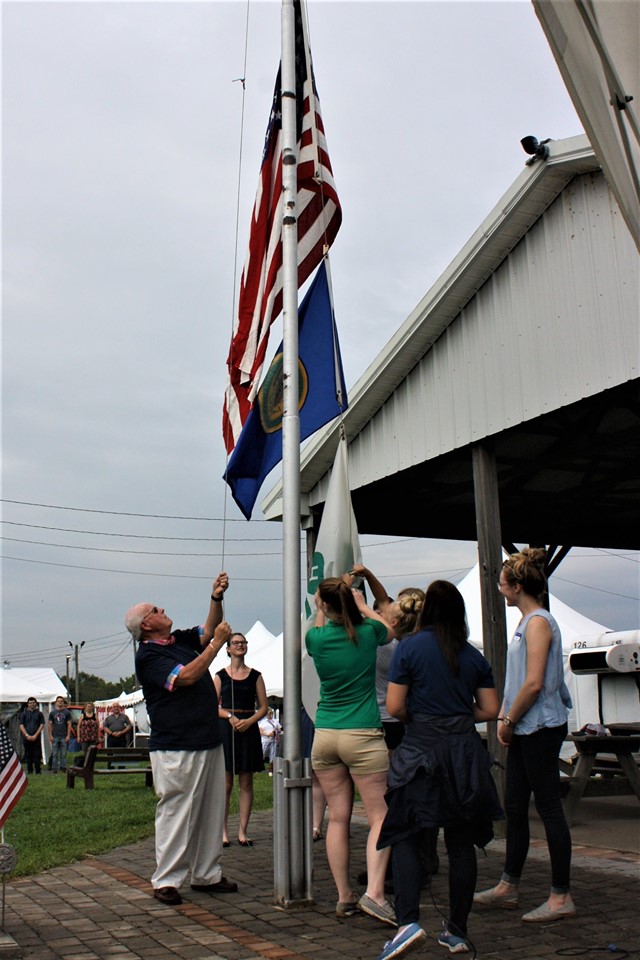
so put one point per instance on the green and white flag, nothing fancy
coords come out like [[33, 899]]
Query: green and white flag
[[337, 549]]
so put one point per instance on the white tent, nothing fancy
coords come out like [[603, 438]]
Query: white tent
[[266, 654], [125, 699], [19, 683]]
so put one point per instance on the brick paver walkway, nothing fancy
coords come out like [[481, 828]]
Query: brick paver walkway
[[102, 909]]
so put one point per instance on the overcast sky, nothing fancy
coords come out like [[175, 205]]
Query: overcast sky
[[121, 161]]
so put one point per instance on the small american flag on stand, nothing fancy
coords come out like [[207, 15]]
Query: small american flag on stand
[[319, 218], [13, 781]]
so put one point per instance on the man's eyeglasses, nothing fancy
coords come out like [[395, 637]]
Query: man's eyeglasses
[[149, 612]]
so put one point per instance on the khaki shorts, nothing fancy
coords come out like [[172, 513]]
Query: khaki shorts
[[361, 751]]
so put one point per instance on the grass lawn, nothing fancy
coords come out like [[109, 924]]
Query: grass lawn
[[51, 826]]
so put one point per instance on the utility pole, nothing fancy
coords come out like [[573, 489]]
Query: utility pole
[[68, 662], [77, 647]]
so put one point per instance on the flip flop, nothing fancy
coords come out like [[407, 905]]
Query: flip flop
[[245, 843]]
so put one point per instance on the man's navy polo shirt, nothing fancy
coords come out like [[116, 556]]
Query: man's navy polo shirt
[[181, 718]]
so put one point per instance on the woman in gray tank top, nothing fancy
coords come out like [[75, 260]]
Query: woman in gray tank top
[[532, 725]]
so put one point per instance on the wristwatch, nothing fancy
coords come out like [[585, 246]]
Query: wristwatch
[[508, 722]]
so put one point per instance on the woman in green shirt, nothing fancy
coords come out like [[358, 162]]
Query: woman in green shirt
[[349, 746]]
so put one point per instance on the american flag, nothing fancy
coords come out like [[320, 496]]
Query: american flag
[[13, 781], [319, 219]]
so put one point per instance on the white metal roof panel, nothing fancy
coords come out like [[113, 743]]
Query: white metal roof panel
[[562, 303], [595, 45]]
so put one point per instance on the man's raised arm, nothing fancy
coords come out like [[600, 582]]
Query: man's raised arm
[[214, 617]]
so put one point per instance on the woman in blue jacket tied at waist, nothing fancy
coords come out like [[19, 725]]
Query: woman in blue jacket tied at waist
[[533, 725], [440, 774]]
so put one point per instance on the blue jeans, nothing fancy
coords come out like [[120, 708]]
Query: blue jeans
[[409, 873], [59, 753], [532, 767]]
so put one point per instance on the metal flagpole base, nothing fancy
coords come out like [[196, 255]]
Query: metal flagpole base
[[9, 948], [292, 840]]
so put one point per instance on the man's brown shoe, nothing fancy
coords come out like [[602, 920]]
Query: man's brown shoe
[[167, 895]]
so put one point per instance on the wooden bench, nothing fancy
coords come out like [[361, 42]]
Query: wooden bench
[[615, 779], [119, 760]]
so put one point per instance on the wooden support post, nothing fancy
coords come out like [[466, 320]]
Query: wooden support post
[[312, 539], [494, 620]]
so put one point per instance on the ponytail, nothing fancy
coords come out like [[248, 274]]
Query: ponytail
[[338, 596]]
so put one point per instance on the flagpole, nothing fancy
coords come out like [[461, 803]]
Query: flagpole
[[290, 846], [296, 217]]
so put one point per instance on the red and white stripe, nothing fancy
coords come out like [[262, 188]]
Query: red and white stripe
[[319, 219], [13, 781]]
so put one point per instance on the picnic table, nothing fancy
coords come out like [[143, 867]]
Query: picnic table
[[605, 767], [119, 760]]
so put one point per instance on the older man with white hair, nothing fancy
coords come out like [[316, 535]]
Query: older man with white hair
[[185, 744]]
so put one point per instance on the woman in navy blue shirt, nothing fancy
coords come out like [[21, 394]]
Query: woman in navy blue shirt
[[440, 687]]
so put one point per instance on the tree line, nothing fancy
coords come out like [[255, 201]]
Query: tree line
[[94, 688]]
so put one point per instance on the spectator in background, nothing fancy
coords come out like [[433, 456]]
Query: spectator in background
[[59, 734], [270, 731], [88, 729], [117, 728], [31, 726]]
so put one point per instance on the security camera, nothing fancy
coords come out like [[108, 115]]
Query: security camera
[[537, 149]]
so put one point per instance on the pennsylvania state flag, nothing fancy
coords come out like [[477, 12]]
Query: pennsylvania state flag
[[320, 385]]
